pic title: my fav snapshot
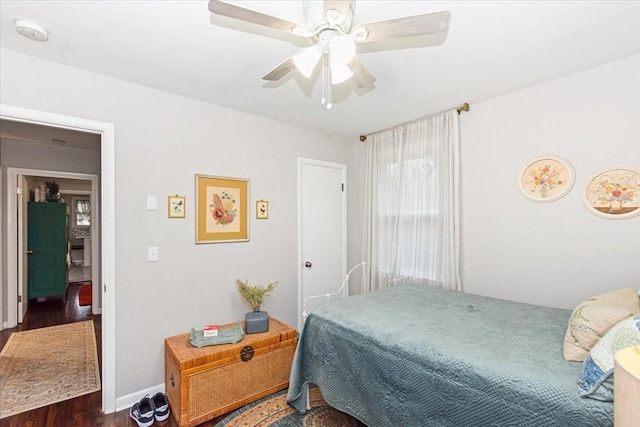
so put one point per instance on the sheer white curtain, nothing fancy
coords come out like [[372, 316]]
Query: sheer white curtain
[[411, 221]]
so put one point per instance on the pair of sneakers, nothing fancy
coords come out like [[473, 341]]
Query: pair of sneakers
[[149, 409]]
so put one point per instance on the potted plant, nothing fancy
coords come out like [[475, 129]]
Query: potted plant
[[52, 191], [256, 321]]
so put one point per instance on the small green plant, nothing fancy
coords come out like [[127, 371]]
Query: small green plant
[[254, 294]]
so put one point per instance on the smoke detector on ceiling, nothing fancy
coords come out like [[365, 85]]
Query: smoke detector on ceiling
[[31, 30]]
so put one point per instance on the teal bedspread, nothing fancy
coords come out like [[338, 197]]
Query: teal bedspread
[[421, 356]]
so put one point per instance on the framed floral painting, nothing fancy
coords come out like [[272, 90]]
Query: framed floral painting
[[222, 209], [613, 193], [546, 179]]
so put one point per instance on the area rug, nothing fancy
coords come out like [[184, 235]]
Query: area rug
[[273, 411], [43, 366], [84, 294]]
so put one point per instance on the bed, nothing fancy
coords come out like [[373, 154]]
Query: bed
[[413, 355]]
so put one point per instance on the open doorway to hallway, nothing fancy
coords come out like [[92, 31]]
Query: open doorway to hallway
[[106, 187], [53, 228]]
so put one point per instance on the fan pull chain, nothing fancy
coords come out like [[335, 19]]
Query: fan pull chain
[[323, 100], [326, 82], [329, 104]]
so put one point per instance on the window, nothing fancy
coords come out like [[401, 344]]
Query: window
[[411, 215], [81, 212], [411, 222]]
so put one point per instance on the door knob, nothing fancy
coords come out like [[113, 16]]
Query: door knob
[[29, 252], [308, 264]]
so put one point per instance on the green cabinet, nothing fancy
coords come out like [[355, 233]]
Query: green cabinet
[[48, 225]]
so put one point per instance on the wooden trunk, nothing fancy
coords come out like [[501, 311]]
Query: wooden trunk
[[203, 383]]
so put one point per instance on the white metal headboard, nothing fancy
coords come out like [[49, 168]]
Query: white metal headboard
[[345, 282]]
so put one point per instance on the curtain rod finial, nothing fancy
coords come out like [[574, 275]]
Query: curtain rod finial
[[363, 138], [463, 107]]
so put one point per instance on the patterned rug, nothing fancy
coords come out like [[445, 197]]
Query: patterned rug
[[273, 411], [43, 366]]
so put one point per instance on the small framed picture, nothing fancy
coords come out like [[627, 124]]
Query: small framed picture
[[546, 179], [176, 206], [262, 209]]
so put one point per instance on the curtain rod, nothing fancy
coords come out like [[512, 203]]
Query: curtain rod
[[459, 109]]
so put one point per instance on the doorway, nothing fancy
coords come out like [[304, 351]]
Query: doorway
[[322, 231], [84, 185], [107, 233]]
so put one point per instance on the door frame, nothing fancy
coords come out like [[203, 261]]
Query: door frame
[[108, 231], [22, 236], [13, 180], [343, 216], [3, 248]]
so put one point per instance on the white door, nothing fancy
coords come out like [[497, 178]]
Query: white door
[[322, 226]]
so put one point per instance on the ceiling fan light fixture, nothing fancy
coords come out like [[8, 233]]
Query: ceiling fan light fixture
[[340, 73], [328, 25], [307, 59], [343, 49]]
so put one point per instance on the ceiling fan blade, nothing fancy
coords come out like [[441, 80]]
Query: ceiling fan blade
[[408, 26], [361, 76], [280, 71], [237, 12]]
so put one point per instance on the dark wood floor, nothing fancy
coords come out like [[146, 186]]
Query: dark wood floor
[[83, 411]]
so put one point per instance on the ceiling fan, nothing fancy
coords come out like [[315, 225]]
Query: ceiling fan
[[329, 28]]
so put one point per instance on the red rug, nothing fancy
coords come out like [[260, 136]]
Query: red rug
[[84, 294]]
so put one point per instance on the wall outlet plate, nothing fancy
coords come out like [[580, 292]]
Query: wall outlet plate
[[152, 253]]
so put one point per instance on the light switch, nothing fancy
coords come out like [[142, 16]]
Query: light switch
[[152, 203], [152, 253]]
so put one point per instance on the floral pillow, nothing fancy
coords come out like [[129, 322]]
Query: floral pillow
[[596, 378], [592, 318]]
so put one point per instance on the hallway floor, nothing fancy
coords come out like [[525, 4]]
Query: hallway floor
[[79, 274]]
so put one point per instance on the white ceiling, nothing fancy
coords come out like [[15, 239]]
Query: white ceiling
[[493, 47]]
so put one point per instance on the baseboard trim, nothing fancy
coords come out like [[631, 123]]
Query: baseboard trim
[[127, 401]]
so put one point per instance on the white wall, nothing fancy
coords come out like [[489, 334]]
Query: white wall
[[162, 140], [554, 253]]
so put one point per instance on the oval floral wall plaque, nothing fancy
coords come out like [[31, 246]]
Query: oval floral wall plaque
[[546, 179], [613, 193]]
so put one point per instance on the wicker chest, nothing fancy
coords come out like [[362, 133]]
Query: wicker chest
[[203, 383]]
